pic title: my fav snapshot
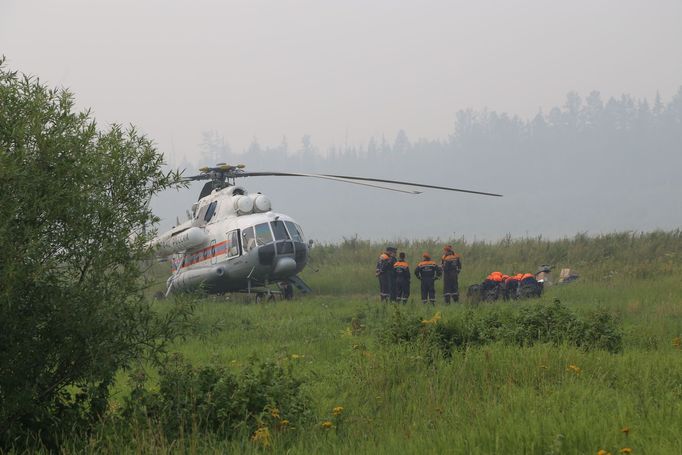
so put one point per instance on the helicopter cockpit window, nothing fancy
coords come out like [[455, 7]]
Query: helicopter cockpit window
[[279, 230], [300, 232], [248, 239], [263, 234], [293, 230], [210, 211], [233, 243]]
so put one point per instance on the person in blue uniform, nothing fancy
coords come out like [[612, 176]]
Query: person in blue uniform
[[384, 271], [402, 278], [428, 272], [451, 263]]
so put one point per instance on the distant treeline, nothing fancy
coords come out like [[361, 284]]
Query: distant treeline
[[581, 128], [591, 165]]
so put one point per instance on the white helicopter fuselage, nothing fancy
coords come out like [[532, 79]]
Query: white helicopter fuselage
[[233, 242]]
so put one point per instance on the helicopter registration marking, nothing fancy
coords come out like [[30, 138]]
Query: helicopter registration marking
[[199, 256]]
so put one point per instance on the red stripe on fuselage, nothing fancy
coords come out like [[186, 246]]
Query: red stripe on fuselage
[[201, 255]]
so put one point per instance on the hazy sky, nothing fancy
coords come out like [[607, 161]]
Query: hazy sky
[[339, 71]]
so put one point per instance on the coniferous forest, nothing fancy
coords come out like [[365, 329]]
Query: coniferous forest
[[591, 165]]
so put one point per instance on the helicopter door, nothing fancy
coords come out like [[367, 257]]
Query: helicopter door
[[214, 258]]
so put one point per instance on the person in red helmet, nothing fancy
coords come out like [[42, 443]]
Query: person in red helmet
[[451, 263], [428, 272]]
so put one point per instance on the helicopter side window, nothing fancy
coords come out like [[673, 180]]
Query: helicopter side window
[[263, 234], [279, 230], [293, 230], [202, 212], [300, 232], [233, 243], [210, 211], [248, 239]]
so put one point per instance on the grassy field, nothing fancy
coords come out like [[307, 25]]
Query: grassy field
[[404, 397]]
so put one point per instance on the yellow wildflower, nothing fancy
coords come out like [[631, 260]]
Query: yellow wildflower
[[337, 411], [327, 424], [574, 369], [262, 437], [274, 412], [603, 452], [297, 356], [625, 430], [625, 450], [433, 320], [284, 422]]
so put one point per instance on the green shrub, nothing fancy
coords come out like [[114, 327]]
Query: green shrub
[[537, 323], [74, 220], [212, 399], [601, 331]]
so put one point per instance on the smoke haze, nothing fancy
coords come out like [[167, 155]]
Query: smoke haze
[[465, 94]]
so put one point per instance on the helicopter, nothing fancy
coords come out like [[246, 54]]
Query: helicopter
[[234, 242]]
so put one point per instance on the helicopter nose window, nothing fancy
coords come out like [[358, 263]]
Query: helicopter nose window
[[263, 234], [294, 231], [279, 230]]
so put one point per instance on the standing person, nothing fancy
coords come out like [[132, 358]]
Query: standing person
[[451, 263], [402, 278], [384, 271], [428, 272], [391, 272]]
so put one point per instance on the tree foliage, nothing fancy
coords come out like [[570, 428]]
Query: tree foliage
[[73, 223]]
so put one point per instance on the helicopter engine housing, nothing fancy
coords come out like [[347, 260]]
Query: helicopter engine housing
[[182, 241], [261, 203]]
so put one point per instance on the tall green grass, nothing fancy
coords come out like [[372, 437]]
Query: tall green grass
[[348, 267], [495, 398]]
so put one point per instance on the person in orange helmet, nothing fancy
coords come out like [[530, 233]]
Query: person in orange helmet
[[451, 264], [428, 272]]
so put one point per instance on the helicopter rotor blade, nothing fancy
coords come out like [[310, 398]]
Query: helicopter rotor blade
[[460, 190], [357, 180], [325, 177], [192, 178]]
